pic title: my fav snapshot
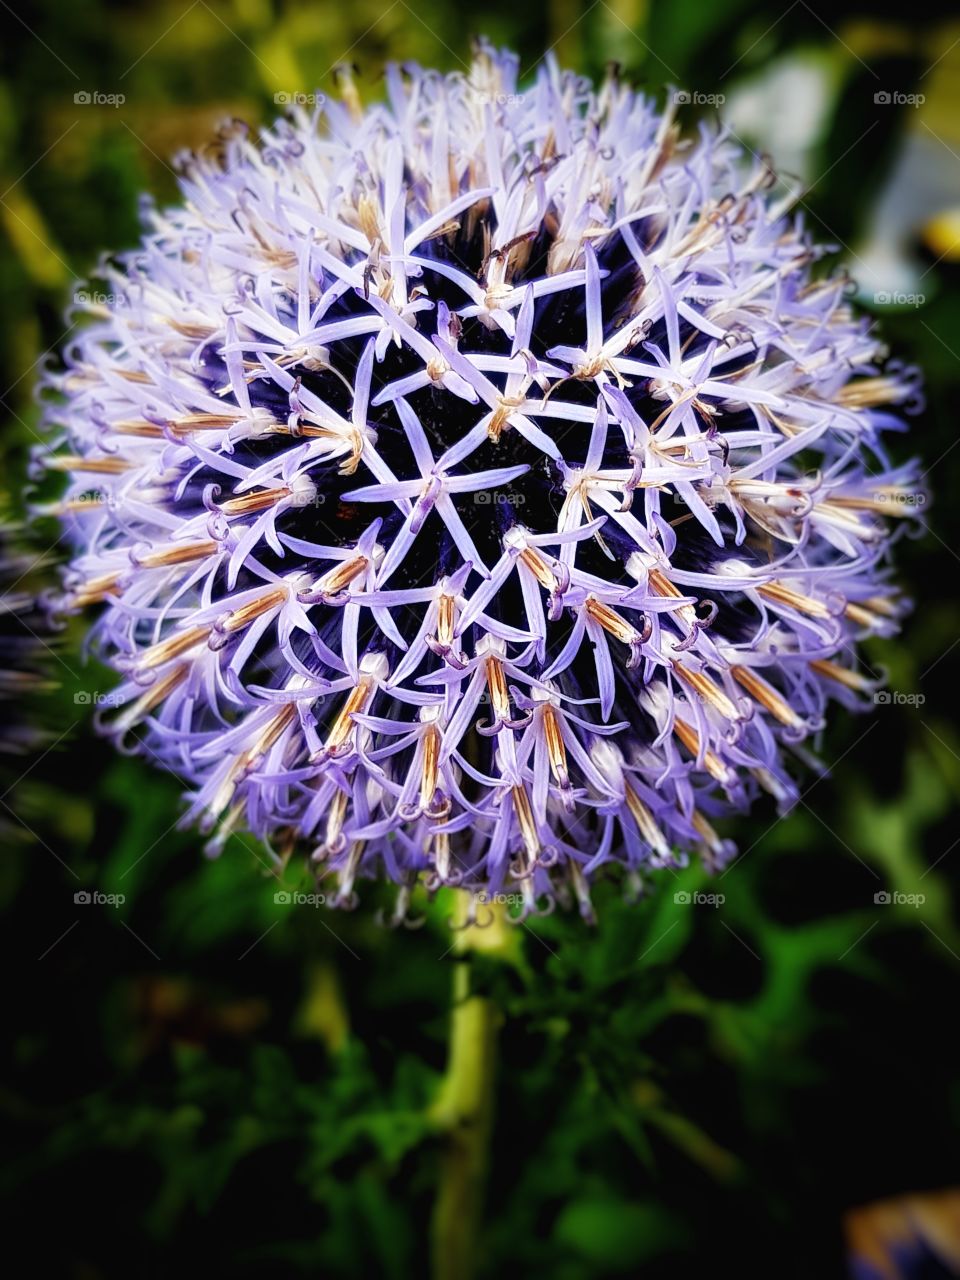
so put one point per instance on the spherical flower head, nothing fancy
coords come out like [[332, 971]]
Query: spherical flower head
[[479, 488]]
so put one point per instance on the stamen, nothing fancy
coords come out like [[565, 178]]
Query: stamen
[[707, 833], [766, 695], [204, 422], [177, 553], [373, 669], [705, 688], [662, 586], [446, 620], [618, 627], [711, 762], [889, 500], [582, 892], [883, 605], [96, 466], [867, 393], [348, 873], [538, 566], [181, 642], [336, 815], [842, 675], [556, 749], [780, 593], [528, 829], [268, 737], [96, 590], [501, 415], [497, 685], [256, 500], [239, 618], [343, 726], [431, 758], [369, 218], [334, 582], [645, 823], [441, 856], [150, 698], [140, 430], [771, 784]]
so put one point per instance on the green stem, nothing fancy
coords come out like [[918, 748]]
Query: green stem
[[464, 1109]]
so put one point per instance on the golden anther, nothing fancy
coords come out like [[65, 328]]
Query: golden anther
[[497, 685], [866, 393], [501, 415], [528, 830], [431, 758], [96, 466], [204, 421], [95, 590], [766, 695], [780, 593], [704, 687], [177, 553], [158, 692], [441, 855], [662, 586], [336, 579], [706, 832], [887, 500], [645, 822], [142, 430], [446, 618], [538, 566], [241, 617], [257, 500], [343, 726], [611, 621], [711, 762], [556, 749], [842, 675], [156, 655], [336, 816]]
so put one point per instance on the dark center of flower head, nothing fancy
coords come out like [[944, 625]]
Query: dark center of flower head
[[488, 495]]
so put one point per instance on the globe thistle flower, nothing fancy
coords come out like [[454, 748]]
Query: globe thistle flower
[[479, 488]]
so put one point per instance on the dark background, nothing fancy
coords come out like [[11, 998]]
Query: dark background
[[200, 1079]]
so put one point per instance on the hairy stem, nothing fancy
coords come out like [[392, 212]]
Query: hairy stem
[[464, 1111]]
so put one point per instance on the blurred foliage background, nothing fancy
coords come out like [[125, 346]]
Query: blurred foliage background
[[200, 1078]]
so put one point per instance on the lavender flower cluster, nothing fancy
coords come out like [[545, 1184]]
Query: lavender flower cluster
[[480, 488]]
